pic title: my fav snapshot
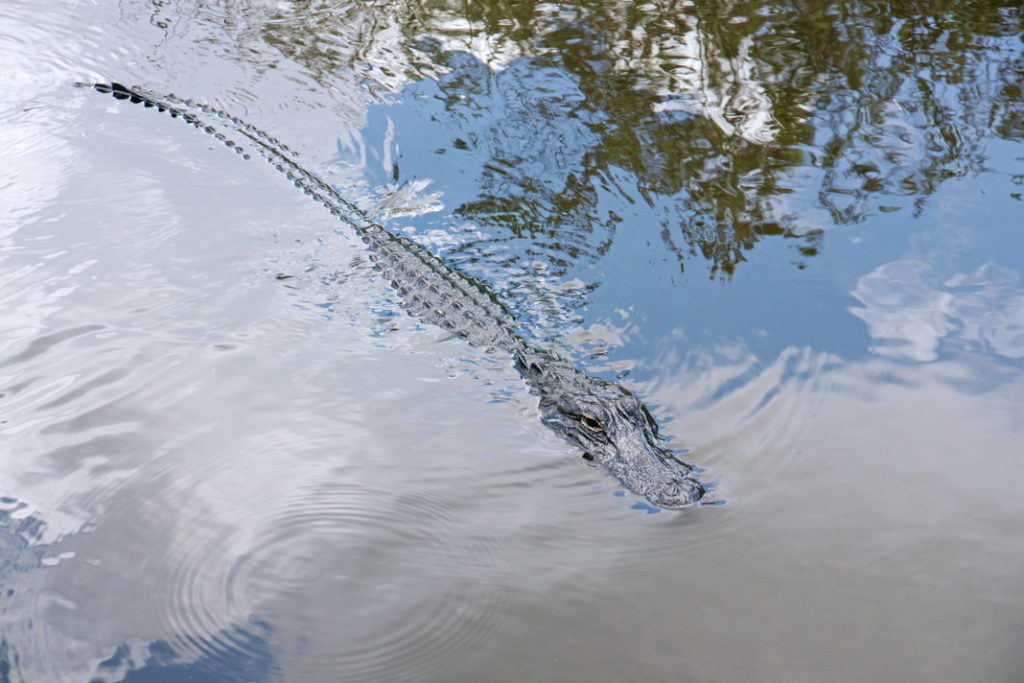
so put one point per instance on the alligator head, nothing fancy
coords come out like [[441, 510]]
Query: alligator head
[[616, 429]]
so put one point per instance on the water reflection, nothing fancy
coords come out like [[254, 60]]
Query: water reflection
[[212, 474], [713, 115], [909, 311]]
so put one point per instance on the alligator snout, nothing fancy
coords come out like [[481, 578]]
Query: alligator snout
[[677, 494]]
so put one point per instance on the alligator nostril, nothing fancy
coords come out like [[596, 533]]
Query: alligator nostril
[[680, 493]]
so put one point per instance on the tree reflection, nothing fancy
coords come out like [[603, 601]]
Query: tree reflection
[[731, 121]]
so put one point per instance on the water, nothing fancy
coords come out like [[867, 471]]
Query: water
[[794, 230]]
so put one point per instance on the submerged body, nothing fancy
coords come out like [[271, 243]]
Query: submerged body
[[607, 421]]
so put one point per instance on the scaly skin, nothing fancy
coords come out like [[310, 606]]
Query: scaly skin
[[610, 424]]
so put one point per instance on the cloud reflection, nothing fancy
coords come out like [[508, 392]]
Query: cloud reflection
[[909, 311]]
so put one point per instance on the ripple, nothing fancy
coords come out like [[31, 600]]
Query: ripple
[[395, 588], [745, 420]]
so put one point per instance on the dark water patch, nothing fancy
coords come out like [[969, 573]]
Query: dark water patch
[[155, 662], [43, 344]]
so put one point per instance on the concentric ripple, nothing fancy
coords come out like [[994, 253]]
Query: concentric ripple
[[338, 583]]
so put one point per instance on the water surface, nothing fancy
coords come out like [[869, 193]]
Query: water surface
[[794, 229]]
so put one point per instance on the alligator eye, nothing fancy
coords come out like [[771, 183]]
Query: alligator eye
[[592, 423]]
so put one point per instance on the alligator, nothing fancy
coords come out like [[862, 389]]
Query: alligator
[[605, 420]]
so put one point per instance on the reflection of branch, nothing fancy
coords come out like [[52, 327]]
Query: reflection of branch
[[714, 115]]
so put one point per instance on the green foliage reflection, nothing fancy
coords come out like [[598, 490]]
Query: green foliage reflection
[[732, 121]]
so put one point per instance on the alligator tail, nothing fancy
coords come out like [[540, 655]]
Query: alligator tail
[[267, 146], [380, 240]]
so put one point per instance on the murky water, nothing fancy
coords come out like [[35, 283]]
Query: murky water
[[797, 230]]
